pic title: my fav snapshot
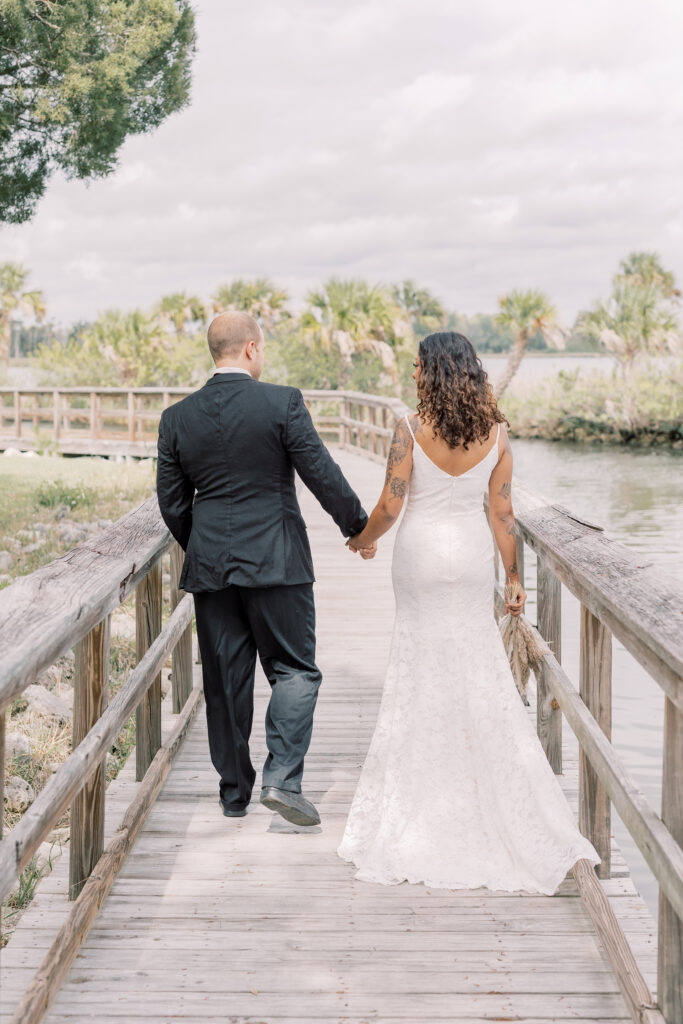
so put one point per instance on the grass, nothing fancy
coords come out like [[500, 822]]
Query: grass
[[43, 488]]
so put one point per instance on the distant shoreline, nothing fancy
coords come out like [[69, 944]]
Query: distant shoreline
[[555, 354]]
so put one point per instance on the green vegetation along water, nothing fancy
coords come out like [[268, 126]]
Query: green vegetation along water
[[637, 496]]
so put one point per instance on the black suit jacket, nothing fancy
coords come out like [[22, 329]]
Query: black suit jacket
[[225, 484]]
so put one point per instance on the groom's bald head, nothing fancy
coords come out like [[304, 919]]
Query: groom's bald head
[[230, 332]]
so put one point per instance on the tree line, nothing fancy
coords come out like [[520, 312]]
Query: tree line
[[349, 333]]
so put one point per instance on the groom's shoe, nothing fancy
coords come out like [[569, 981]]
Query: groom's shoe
[[292, 806], [230, 811]]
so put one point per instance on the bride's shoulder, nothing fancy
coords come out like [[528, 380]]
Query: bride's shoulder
[[503, 439], [416, 425]]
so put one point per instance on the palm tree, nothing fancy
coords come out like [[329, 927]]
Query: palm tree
[[12, 298], [526, 313], [646, 268], [130, 346], [425, 311], [356, 317], [181, 310], [635, 319], [261, 298]]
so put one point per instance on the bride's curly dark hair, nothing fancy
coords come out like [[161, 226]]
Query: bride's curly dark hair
[[454, 393]]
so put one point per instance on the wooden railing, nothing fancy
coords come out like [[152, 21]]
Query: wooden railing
[[68, 602], [126, 420]]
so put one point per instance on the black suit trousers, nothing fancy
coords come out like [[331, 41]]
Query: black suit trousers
[[233, 626]]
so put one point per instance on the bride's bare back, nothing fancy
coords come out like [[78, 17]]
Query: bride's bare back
[[454, 461]]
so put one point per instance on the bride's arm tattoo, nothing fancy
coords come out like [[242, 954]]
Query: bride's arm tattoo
[[400, 443], [399, 466], [501, 514]]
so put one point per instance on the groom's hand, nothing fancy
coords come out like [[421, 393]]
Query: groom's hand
[[366, 551]]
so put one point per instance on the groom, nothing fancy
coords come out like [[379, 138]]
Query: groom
[[225, 483]]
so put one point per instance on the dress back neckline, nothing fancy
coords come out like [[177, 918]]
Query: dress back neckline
[[453, 476]]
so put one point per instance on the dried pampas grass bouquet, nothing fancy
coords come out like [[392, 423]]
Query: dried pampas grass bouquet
[[523, 644]]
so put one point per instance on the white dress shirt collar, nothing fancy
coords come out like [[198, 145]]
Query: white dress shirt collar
[[231, 369]]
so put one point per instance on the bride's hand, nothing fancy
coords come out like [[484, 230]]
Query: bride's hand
[[366, 551], [517, 607]]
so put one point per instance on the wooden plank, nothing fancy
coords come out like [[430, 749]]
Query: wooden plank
[[181, 666], [548, 713], [58, 792], [659, 848], [642, 607], [637, 995], [147, 629], [44, 614], [670, 945], [595, 687], [45, 984], [91, 695]]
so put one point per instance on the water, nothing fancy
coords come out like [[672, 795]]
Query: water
[[637, 496], [534, 367]]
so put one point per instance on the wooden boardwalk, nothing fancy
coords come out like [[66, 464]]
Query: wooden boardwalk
[[251, 920]]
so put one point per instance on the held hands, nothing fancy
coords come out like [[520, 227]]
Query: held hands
[[365, 551]]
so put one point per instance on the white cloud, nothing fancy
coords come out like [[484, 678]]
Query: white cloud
[[473, 148]]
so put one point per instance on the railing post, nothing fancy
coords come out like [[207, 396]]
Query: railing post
[[595, 687], [519, 555], [670, 926], [131, 416], [147, 628], [548, 713], [91, 696], [93, 415], [181, 671], [17, 414], [55, 414]]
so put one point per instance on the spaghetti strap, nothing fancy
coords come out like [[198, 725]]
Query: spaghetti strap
[[411, 429]]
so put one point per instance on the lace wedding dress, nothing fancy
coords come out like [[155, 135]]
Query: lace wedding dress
[[455, 791]]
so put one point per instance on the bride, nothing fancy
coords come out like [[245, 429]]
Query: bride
[[456, 791]]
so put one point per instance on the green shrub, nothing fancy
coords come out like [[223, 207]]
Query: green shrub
[[57, 492], [582, 405]]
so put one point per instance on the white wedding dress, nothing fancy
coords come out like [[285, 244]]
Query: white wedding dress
[[455, 791]]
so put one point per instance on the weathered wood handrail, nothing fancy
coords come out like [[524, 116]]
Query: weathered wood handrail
[[619, 596], [68, 604], [101, 421]]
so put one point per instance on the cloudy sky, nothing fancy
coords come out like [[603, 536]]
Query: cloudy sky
[[474, 147]]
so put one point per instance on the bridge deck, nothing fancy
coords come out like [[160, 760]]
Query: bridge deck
[[249, 920]]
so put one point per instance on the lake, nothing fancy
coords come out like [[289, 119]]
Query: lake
[[637, 496], [535, 366]]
